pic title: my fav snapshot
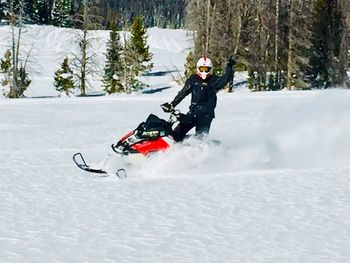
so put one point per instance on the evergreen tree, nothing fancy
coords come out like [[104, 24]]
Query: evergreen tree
[[114, 70], [5, 69], [5, 64], [23, 79], [64, 78], [137, 54], [28, 11], [190, 65], [4, 10], [329, 35], [138, 48], [17, 83], [60, 15], [41, 12]]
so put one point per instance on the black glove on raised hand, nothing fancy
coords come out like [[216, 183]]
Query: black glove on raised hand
[[167, 107], [231, 61]]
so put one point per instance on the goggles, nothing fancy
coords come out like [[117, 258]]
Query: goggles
[[204, 69]]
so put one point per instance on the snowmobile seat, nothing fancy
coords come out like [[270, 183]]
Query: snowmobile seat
[[153, 128]]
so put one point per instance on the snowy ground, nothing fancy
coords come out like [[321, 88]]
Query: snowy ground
[[275, 190]]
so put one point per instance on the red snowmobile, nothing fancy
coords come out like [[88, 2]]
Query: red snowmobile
[[153, 135]]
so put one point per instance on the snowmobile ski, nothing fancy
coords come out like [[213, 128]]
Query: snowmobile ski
[[81, 163]]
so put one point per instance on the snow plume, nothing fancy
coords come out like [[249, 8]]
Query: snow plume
[[312, 133], [293, 133], [193, 156], [308, 133]]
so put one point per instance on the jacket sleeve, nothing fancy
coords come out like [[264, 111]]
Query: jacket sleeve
[[222, 81], [183, 92]]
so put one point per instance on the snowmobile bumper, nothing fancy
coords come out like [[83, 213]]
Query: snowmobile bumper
[[81, 163]]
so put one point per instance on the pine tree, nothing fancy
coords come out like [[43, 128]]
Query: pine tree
[[23, 79], [64, 78], [114, 70], [5, 65], [60, 15], [41, 12], [28, 11], [4, 10], [190, 65], [15, 83], [329, 34], [5, 69], [137, 54]]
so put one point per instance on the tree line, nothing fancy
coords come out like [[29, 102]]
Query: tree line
[[126, 59], [283, 44], [292, 44], [161, 13]]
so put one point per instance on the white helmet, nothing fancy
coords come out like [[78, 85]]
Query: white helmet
[[204, 66]]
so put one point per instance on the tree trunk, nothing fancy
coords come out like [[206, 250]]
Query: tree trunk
[[238, 39], [83, 64], [277, 32], [208, 29], [290, 72]]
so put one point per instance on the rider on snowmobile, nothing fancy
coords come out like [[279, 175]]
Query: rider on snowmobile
[[203, 87]]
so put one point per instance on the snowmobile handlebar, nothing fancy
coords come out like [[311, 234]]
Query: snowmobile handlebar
[[175, 115]]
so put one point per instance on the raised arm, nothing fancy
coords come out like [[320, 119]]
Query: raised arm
[[222, 81]]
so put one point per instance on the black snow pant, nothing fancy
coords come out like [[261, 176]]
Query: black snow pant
[[202, 123]]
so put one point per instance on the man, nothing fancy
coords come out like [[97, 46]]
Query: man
[[203, 87]]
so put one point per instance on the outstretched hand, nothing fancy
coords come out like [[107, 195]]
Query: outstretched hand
[[231, 60], [167, 107]]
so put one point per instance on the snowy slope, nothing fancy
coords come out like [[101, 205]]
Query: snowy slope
[[48, 45], [276, 190]]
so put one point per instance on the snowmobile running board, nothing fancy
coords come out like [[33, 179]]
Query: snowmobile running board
[[80, 162]]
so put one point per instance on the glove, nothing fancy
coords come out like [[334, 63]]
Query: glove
[[231, 61], [167, 107], [182, 117]]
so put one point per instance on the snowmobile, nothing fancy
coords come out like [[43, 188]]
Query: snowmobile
[[153, 135]]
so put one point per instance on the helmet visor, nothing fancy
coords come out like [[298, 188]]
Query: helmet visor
[[204, 69]]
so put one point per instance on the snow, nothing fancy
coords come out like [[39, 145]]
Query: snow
[[275, 190], [47, 46]]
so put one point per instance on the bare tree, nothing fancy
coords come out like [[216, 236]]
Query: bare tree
[[17, 76], [220, 39], [299, 44], [197, 20], [83, 63]]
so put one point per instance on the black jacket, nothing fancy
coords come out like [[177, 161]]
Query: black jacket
[[203, 92]]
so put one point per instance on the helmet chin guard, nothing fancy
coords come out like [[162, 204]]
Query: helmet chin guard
[[204, 66]]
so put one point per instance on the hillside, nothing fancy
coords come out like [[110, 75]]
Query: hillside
[[49, 45]]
